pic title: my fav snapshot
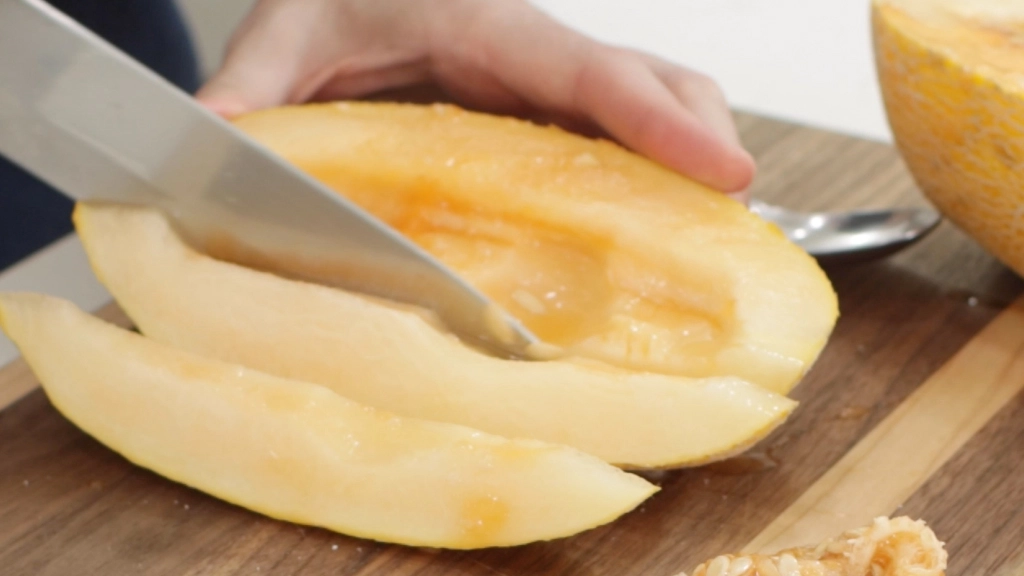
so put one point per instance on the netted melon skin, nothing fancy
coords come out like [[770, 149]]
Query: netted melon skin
[[958, 124]]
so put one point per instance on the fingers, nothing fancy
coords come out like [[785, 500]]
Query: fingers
[[503, 56], [684, 124], [699, 93], [290, 51], [702, 96], [676, 117], [262, 60]]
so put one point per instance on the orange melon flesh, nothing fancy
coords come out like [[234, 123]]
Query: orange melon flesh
[[599, 251], [299, 452], [952, 78], [392, 358]]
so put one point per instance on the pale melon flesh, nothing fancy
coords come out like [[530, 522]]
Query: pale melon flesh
[[596, 249], [392, 358], [301, 452]]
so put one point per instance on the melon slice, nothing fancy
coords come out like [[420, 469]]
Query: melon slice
[[598, 250], [952, 78], [299, 452], [393, 358], [888, 547]]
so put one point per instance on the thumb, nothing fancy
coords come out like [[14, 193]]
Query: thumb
[[262, 62]]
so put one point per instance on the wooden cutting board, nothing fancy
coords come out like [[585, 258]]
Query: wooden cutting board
[[914, 408]]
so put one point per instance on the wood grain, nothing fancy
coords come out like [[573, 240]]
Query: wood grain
[[70, 506], [899, 455], [15, 382], [974, 500]]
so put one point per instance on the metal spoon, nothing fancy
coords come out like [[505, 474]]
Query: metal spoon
[[853, 236]]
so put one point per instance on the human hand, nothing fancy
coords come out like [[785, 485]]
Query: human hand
[[501, 56]]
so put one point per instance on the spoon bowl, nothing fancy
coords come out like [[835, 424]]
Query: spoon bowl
[[854, 236]]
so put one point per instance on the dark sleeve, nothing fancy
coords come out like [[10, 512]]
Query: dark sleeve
[[32, 214]]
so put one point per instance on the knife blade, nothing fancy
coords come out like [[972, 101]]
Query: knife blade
[[97, 125]]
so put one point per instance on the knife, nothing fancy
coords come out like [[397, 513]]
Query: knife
[[96, 125]]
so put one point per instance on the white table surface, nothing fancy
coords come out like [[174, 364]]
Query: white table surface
[[807, 61]]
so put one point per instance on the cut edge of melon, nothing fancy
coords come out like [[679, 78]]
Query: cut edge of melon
[[188, 300]]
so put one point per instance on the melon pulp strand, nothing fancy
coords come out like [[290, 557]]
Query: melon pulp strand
[[897, 546]]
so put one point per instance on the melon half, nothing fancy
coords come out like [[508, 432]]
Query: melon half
[[299, 452], [598, 250], [952, 78]]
